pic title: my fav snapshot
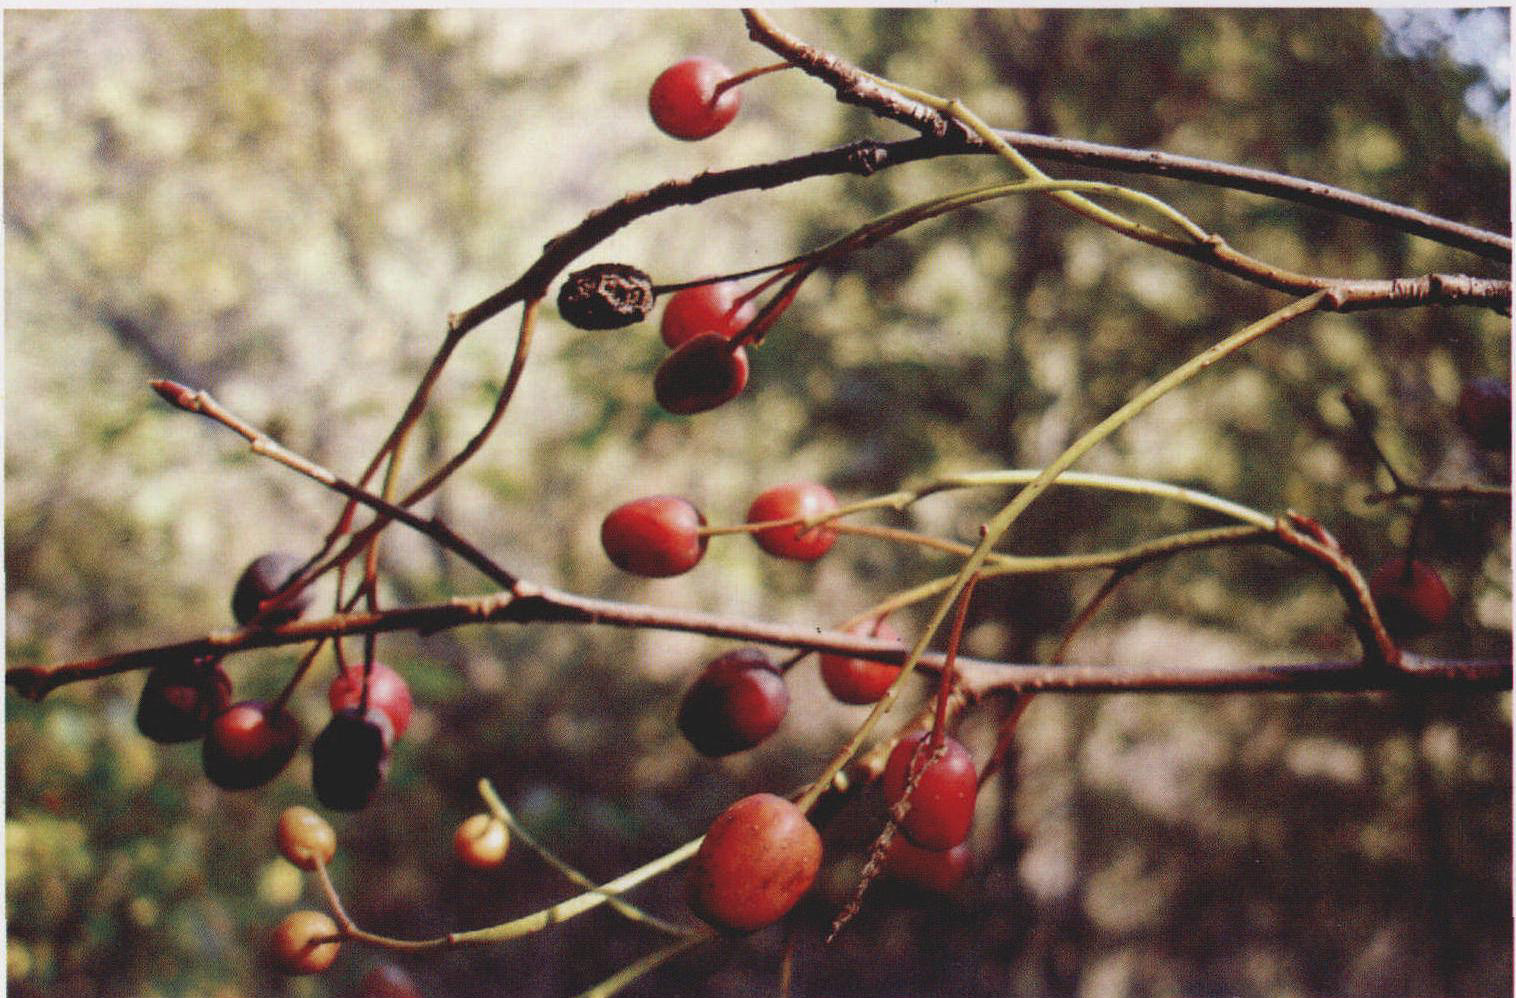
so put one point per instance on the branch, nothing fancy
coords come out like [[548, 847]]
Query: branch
[[948, 137], [529, 604], [868, 156]]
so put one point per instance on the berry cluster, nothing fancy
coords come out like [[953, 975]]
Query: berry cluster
[[661, 536], [708, 366], [307, 942], [762, 854], [245, 744]]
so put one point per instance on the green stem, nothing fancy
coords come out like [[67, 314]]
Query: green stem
[[1013, 476], [1083, 206], [1074, 479], [1002, 521], [577, 905], [626, 975], [1126, 558], [631, 911]]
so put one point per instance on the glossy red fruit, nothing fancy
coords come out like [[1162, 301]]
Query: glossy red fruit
[[1411, 602], [933, 870], [295, 945], [738, 700], [758, 859], [703, 373], [351, 757], [1484, 412], [709, 308], [860, 680], [180, 698], [683, 99], [387, 690], [263, 578], [248, 744], [655, 537], [942, 806], [795, 499]]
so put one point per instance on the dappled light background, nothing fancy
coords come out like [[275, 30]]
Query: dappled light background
[[283, 207]]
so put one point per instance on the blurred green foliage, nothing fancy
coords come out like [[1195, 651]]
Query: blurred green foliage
[[282, 207]]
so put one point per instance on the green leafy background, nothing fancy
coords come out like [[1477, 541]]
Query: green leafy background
[[282, 207]]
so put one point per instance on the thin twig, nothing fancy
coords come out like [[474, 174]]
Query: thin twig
[[853, 86], [202, 403], [499, 810]]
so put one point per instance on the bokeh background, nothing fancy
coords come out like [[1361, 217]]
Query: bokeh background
[[282, 207]]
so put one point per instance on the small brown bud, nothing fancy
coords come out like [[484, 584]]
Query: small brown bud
[[606, 296]]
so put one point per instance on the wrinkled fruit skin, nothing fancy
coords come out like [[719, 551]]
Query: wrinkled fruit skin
[[1484, 412], [942, 806], [795, 499], [292, 942], [606, 296], [704, 373], [387, 690], [180, 698], [1409, 606], [860, 680], [704, 309], [655, 537], [262, 579], [350, 758], [738, 700], [938, 871], [680, 99], [247, 745], [758, 859]]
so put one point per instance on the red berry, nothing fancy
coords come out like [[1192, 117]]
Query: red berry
[[1411, 603], [179, 699], [942, 806], [351, 757], [294, 942], [248, 744], [387, 690], [785, 501], [1484, 412], [683, 99], [262, 579], [930, 869], [708, 308], [860, 680], [738, 701], [655, 537], [387, 981], [303, 835], [703, 373], [756, 863], [482, 841]]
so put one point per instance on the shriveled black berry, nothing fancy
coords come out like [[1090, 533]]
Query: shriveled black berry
[[180, 698], [606, 296], [350, 758], [261, 580]]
